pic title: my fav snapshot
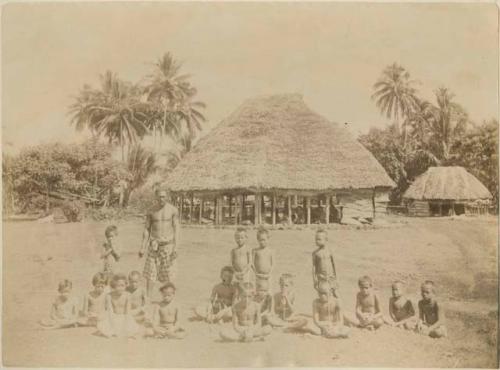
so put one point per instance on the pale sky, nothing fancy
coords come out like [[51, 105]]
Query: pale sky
[[332, 53]]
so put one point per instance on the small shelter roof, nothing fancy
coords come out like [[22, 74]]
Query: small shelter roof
[[447, 183]]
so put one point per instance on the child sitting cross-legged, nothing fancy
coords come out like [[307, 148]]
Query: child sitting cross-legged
[[64, 311], [284, 315], [401, 308], [94, 302], [166, 315], [327, 314]]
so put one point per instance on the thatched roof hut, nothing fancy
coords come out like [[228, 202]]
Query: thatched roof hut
[[277, 146], [446, 190]]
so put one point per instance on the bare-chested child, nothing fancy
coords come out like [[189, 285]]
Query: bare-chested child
[[431, 317], [64, 310], [110, 252], [323, 266], [262, 257], [138, 297], [284, 315], [166, 315], [327, 314], [367, 305], [94, 302], [247, 325], [241, 257], [264, 299], [221, 300], [401, 308], [118, 320]]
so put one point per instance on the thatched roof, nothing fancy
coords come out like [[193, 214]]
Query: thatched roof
[[447, 183], [277, 142]]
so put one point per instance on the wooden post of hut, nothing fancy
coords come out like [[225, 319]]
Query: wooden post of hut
[[230, 201], [191, 204], [181, 203], [242, 207], [308, 206], [256, 208], [373, 204], [200, 214], [327, 209], [289, 205], [273, 220]]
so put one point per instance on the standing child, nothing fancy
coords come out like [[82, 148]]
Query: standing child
[[247, 325], [118, 320], [327, 314], [94, 302], [64, 311], [221, 300], [401, 308], [431, 320], [284, 306], [241, 257], [138, 297], [262, 258], [367, 305], [110, 253], [323, 266], [166, 315]]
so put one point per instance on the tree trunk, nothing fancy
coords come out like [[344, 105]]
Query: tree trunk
[[121, 141]]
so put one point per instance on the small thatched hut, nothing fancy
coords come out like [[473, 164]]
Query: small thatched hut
[[444, 191], [273, 161]]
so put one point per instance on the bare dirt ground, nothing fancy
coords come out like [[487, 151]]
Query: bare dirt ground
[[460, 255]]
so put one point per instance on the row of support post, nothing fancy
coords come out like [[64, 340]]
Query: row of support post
[[239, 209]]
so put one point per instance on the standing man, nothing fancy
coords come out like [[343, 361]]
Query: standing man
[[159, 241]]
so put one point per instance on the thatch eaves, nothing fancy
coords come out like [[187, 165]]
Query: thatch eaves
[[447, 183], [277, 142]]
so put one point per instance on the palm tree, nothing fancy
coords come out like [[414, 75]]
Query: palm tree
[[395, 94], [170, 96], [449, 121], [113, 111], [141, 163]]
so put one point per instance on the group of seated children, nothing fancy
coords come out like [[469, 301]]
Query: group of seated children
[[247, 303]]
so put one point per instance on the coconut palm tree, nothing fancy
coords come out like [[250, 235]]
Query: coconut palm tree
[[395, 94], [113, 111], [171, 98]]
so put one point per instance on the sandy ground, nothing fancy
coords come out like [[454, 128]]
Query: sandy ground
[[460, 255]]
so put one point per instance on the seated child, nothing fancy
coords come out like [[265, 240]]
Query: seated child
[[265, 300], [323, 266], [221, 300], [117, 320], [367, 305], [431, 320], [283, 303], [138, 297], [262, 257], [94, 302], [110, 254], [241, 257], [247, 325], [401, 308], [64, 311], [166, 315], [327, 314]]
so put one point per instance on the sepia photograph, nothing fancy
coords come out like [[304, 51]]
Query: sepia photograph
[[250, 184]]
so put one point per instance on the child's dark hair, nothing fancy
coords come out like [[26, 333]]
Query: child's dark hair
[[133, 273], [99, 278], [262, 230], [64, 284], [365, 279], [112, 229], [429, 283], [227, 269], [240, 229], [321, 230], [286, 277], [166, 286], [116, 278]]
